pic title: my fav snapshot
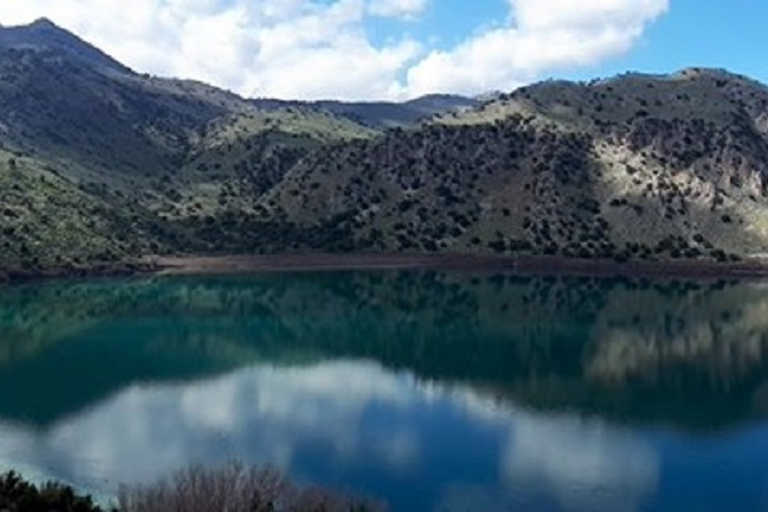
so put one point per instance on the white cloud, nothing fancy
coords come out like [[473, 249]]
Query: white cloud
[[314, 49], [397, 8], [545, 35]]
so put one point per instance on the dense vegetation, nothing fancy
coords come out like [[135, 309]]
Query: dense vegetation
[[100, 164]]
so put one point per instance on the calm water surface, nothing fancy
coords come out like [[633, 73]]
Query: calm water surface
[[432, 392]]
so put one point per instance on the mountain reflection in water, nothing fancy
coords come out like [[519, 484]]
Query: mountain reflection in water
[[431, 391]]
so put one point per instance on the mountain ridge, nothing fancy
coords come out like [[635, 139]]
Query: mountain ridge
[[632, 167], [380, 114]]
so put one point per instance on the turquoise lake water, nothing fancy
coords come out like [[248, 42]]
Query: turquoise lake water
[[428, 391]]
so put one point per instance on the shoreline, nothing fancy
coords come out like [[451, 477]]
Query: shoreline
[[97, 270], [521, 265], [542, 266]]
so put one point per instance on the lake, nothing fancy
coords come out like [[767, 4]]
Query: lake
[[429, 391]]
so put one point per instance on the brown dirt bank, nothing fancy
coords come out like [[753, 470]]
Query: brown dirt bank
[[522, 265], [532, 265]]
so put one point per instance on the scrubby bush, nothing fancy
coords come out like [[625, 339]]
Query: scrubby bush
[[234, 488]]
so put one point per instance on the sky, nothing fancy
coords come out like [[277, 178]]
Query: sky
[[400, 49]]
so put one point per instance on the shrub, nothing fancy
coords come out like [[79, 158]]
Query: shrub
[[719, 255], [234, 488]]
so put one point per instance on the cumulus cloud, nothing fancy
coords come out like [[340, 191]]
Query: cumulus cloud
[[397, 8], [313, 49], [544, 35]]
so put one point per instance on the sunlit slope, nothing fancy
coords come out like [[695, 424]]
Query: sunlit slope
[[633, 167]]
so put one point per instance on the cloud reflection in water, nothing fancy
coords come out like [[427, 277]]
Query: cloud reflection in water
[[332, 423]]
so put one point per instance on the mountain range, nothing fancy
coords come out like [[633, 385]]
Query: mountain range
[[99, 163]]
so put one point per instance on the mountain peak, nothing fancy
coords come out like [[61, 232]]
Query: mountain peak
[[44, 23], [44, 34]]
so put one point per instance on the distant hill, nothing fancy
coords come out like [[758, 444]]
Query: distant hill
[[382, 114], [100, 162]]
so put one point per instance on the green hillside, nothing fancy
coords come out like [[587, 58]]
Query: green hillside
[[101, 164], [633, 167]]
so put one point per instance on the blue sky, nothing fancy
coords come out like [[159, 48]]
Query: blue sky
[[703, 33], [396, 49], [447, 22]]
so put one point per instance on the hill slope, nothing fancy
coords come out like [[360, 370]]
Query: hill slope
[[636, 166], [100, 163], [166, 151]]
